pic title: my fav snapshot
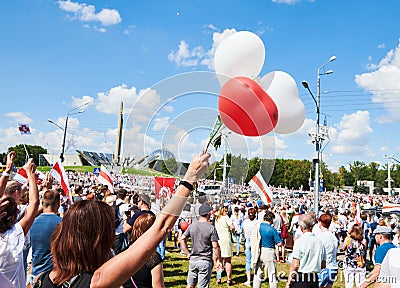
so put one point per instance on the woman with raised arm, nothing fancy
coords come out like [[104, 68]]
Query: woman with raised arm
[[90, 241], [13, 232]]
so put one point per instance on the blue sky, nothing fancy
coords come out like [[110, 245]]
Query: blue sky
[[57, 55]]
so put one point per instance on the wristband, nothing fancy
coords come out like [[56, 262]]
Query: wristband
[[186, 184], [5, 174]]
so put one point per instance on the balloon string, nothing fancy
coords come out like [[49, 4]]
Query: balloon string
[[214, 132]]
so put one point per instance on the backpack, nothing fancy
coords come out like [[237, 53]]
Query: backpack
[[82, 280], [284, 230], [117, 219]]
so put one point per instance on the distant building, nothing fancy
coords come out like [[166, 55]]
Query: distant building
[[155, 161]]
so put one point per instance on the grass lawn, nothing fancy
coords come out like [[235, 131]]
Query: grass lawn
[[176, 267]]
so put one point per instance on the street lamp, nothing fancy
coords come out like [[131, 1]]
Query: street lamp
[[69, 113], [318, 138], [225, 165]]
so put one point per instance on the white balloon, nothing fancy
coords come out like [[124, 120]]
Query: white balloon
[[241, 54], [282, 88]]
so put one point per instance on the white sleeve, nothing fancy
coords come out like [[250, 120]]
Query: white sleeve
[[385, 269]]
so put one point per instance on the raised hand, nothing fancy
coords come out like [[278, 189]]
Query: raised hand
[[197, 167]]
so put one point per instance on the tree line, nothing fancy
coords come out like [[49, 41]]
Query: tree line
[[293, 174]]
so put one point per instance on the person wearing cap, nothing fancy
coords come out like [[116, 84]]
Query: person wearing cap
[[204, 238], [383, 237], [144, 206]]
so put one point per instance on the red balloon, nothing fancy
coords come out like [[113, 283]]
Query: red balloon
[[245, 107], [184, 225]]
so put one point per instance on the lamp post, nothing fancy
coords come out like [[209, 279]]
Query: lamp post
[[225, 164], [69, 113], [318, 137]]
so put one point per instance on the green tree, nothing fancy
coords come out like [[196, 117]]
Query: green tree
[[359, 171], [254, 167], [169, 166], [20, 153], [238, 169]]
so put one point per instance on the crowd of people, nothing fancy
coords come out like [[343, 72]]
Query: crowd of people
[[46, 241]]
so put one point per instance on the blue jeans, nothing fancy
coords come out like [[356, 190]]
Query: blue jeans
[[161, 249], [237, 236], [247, 253]]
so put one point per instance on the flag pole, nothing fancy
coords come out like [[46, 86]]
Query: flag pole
[[26, 150]]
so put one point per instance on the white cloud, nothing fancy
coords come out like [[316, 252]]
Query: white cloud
[[19, 117], [187, 57], [77, 102], [381, 46], [212, 27], [168, 108], [384, 149], [130, 29], [384, 84], [144, 102], [208, 59], [161, 123], [353, 135], [87, 13]]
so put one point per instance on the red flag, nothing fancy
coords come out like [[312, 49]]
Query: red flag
[[24, 129], [22, 178], [58, 173], [166, 183], [262, 189], [105, 178]]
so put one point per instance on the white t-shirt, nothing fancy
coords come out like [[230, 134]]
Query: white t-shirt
[[331, 244], [248, 226], [12, 260], [390, 268]]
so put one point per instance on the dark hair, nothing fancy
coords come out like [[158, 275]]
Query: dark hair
[[50, 198], [122, 193], [9, 220], [363, 216], [251, 213], [269, 216], [82, 240], [78, 189], [141, 225], [356, 233], [325, 220], [135, 199], [11, 187]]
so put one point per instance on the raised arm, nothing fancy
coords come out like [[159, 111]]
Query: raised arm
[[6, 174], [118, 269], [32, 209]]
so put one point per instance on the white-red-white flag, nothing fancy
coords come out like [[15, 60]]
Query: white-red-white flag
[[59, 174], [358, 215], [390, 208], [105, 178], [22, 178], [262, 189], [24, 129]]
